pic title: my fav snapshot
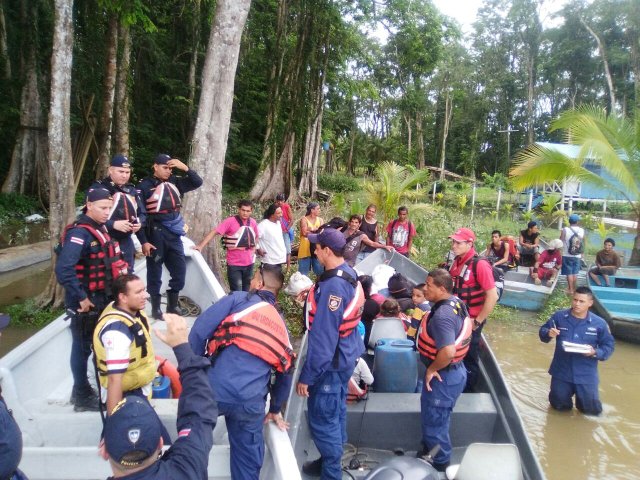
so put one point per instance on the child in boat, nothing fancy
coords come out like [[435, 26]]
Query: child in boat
[[421, 306], [360, 380], [390, 308], [607, 263], [548, 263]]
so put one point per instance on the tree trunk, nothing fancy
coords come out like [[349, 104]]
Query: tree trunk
[[407, 121], [193, 62], [62, 210], [203, 207], [448, 108], [352, 141], [420, 139], [531, 72], [108, 95], [276, 178], [605, 62], [121, 115], [4, 49], [309, 177]]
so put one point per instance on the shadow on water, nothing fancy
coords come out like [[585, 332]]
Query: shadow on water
[[572, 445], [16, 233]]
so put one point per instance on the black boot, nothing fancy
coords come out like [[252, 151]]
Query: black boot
[[313, 468], [172, 303], [155, 307]]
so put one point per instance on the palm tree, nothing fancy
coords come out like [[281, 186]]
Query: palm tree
[[393, 185], [610, 141]]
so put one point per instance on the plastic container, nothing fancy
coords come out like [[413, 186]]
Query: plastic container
[[395, 366], [161, 387]]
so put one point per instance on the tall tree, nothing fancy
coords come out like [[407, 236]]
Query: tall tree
[[61, 206], [203, 207]]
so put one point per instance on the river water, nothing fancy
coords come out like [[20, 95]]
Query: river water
[[571, 445]]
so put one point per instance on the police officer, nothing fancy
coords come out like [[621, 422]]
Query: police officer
[[443, 341], [241, 367], [122, 344], [473, 283], [334, 306], [10, 434], [127, 212], [88, 261], [161, 242], [133, 431], [576, 372]]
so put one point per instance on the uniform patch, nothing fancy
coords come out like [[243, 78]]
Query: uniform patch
[[334, 302], [77, 240], [134, 435]]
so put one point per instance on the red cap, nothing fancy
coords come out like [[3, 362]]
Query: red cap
[[463, 235]]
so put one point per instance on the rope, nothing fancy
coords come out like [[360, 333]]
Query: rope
[[189, 307]]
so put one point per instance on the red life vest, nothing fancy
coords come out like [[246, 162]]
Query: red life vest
[[104, 264], [352, 312], [469, 291], [426, 344], [259, 330], [164, 198], [354, 392], [125, 204]]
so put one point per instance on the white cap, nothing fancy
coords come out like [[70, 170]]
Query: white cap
[[297, 283]]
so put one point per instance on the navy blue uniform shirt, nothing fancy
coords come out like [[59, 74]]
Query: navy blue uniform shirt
[[77, 244], [575, 367], [188, 457], [323, 338], [444, 324], [189, 182], [10, 442], [238, 376]]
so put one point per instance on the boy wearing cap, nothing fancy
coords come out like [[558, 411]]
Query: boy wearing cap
[[10, 434], [571, 261], [133, 430], [161, 242], [333, 309], [84, 257], [127, 212], [548, 264], [474, 284], [529, 243]]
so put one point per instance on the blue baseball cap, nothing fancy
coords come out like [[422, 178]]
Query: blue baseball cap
[[132, 432], [329, 237], [574, 218], [162, 159], [95, 194], [120, 161]]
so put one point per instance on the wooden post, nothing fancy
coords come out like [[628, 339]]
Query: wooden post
[[473, 200], [433, 196], [530, 200], [604, 207], [498, 204]]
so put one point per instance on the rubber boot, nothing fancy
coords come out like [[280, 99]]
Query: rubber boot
[[155, 307], [172, 302]]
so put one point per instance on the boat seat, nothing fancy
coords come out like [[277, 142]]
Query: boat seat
[[386, 327], [488, 461], [473, 420]]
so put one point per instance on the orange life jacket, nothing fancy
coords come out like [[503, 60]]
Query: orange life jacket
[[426, 344], [164, 198], [259, 330], [352, 312]]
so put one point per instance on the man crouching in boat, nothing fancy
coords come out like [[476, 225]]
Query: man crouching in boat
[[334, 307], [443, 341], [133, 431], [574, 368], [122, 345], [246, 339]]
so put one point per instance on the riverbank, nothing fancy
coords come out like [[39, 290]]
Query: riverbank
[[14, 258]]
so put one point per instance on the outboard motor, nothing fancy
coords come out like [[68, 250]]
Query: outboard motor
[[403, 468]]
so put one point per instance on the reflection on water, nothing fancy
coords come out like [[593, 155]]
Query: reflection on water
[[572, 445], [13, 336], [24, 283]]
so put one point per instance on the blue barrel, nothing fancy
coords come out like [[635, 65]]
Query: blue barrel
[[161, 387], [395, 366]]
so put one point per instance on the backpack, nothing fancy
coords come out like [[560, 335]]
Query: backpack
[[498, 274], [244, 237], [576, 245]]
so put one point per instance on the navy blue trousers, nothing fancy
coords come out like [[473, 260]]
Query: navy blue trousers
[[587, 398], [244, 425], [170, 252]]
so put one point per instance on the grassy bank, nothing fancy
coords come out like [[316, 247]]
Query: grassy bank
[[29, 314]]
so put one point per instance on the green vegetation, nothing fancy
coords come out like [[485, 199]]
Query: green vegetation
[[29, 314], [338, 182], [13, 205]]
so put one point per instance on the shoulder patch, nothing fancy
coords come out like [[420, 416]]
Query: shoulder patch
[[334, 302]]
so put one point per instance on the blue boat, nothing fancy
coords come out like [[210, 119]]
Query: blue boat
[[522, 293], [619, 304]]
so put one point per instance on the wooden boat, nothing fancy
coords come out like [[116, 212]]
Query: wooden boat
[[387, 423], [619, 304], [62, 444]]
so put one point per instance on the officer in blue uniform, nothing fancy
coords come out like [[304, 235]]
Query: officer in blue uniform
[[84, 297], [331, 358], [160, 237], [127, 212], [577, 373], [443, 341], [133, 431], [240, 379], [10, 434]]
